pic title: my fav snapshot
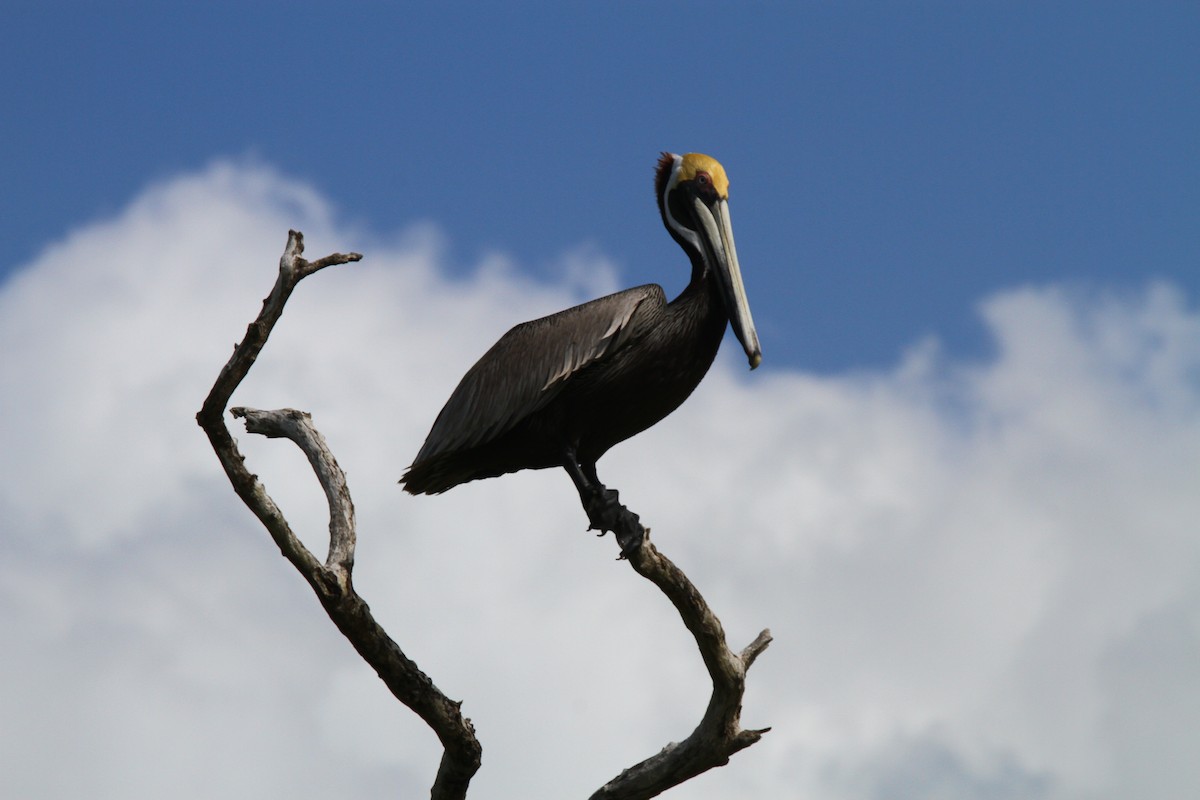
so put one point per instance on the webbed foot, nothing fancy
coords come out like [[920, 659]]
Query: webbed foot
[[603, 507], [605, 513]]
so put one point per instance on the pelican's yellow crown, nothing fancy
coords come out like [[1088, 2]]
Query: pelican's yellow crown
[[698, 162]]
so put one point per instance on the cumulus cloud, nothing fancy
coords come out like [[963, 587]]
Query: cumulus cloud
[[983, 577]]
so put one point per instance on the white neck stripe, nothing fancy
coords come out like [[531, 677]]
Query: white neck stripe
[[686, 233]]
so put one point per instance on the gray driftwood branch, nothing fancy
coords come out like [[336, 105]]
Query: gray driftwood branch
[[719, 734], [331, 580], [717, 737]]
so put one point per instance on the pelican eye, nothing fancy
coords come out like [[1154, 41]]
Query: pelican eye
[[704, 185]]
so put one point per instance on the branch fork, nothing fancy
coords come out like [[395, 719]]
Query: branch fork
[[717, 737]]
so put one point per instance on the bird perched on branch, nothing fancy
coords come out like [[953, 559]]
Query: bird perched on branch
[[561, 390]]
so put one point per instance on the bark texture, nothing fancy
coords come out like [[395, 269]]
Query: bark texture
[[331, 580], [719, 734]]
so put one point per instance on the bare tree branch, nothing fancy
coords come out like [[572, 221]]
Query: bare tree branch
[[330, 581], [297, 425], [719, 734]]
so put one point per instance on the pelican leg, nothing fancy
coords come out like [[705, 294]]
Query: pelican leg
[[604, 509]]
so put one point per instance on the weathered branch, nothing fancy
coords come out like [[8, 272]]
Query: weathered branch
[[717, 737], [330, 581], [719, 734], [297, 425]]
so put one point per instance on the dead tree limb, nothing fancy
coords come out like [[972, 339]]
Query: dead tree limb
[[717, 737], [331, 580], [719, 734]]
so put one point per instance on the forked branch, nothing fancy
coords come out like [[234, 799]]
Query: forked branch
[[717, 737], [331, 580], [719, 734]]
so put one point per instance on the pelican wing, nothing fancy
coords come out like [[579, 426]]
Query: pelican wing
[[531, 363]]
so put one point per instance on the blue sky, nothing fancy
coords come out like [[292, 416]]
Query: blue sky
[[979, 562], [892, 164]]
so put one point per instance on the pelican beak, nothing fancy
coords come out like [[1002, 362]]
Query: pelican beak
[[722, 255]]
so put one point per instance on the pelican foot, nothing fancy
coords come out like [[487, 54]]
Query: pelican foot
[[630, 535], [603, 509], [605, 513]]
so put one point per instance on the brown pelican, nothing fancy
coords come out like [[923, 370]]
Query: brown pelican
[[561, 390]]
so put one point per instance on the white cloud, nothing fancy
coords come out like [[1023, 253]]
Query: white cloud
[[983, 578]]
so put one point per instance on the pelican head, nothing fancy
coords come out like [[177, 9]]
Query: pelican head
[[693, 197]]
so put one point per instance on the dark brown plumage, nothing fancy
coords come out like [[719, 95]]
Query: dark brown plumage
[[563, 389]]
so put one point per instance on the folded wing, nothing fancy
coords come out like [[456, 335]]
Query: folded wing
[[531, 364]]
